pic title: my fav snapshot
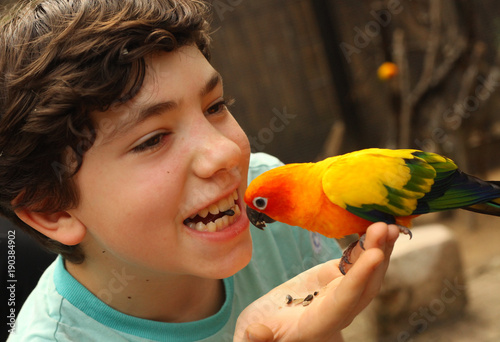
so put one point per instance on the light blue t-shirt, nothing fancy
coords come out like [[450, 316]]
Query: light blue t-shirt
[[61, 309]]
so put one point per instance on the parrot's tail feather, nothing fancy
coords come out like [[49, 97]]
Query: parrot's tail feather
[[489, 208], [462, 191]]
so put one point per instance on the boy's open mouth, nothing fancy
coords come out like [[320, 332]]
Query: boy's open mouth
[[217, 216]]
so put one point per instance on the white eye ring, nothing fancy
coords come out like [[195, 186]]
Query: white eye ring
[[260, 203]]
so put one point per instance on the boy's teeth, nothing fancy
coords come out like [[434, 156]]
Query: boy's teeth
[[225, 204], [219, 224], [203, 213], [214, 209], [200, 226], [211, 227], [221, 206]]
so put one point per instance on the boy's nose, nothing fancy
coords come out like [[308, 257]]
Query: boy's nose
[[215, 152]]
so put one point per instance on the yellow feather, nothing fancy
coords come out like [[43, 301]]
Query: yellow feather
[[372, 170]]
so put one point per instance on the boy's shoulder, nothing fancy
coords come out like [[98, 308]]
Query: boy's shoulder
[[62, 309], [37, 318], [47, 315]]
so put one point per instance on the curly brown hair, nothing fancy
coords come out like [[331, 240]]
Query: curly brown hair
[[61, 60]]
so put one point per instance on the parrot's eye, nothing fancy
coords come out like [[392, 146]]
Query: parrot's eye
[[260, 203]]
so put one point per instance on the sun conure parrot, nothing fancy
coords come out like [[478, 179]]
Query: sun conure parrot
[[343, 195]]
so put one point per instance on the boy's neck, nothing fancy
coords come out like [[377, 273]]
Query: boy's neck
[[175, 299]]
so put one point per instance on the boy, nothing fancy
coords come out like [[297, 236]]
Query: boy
[[118, 153]]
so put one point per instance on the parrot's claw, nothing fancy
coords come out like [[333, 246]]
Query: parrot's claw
[[405, 230], [362, 241], [347, 252], [345, 257]]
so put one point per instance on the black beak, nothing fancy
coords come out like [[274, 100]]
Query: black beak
[[258, 219]]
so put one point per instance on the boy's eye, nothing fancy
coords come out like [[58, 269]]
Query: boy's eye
[[219, 106], [152, 143]]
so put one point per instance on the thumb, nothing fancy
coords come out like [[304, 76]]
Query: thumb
[[257, 332]]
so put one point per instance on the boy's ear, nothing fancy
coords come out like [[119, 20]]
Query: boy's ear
[[60, 226]]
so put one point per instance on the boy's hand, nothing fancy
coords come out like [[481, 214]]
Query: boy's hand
[[340, 298]]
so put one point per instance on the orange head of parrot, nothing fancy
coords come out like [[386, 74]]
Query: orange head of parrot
[[270, 197]]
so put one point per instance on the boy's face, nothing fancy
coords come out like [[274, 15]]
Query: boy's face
[[171, 152]]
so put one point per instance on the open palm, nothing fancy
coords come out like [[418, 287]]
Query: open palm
[[338, 301]]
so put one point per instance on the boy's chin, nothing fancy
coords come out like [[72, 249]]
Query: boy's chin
[[232, 264]]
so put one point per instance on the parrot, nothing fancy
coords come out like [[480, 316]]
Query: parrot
[[343, 195]]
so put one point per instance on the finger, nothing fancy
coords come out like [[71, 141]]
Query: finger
[[376, 236], [351, 289], [375, 281], [257, 332], [328, 272], [384, 239], [392, 235]]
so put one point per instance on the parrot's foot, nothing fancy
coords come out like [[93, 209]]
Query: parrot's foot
[[346, 256], [362, 241], [347, 252], [402, 230], [405, 230]]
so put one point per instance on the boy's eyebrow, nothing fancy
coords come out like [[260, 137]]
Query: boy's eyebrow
[[162, 107], [213, 82]]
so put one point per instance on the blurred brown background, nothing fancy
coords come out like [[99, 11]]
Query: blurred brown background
[[316, 61]]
